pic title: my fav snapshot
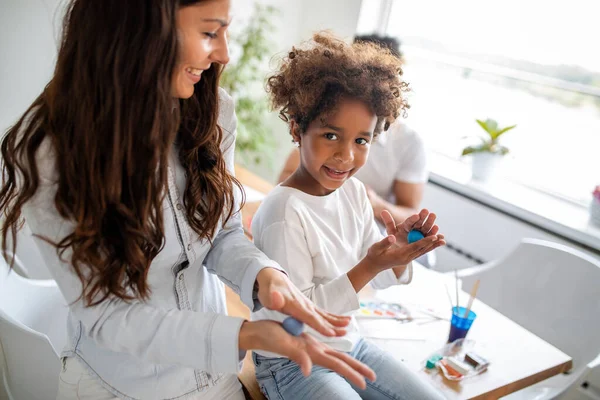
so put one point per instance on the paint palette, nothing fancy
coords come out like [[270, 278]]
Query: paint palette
[[383, 310], [457, 360]]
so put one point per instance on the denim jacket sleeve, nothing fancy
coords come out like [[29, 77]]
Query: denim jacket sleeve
[[234, 258]]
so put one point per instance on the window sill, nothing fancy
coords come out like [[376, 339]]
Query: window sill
[[556, 216]]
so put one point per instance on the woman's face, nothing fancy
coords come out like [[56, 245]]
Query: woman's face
[[202, 30], [335, 147]]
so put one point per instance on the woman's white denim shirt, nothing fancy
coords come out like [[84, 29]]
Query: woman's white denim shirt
[[180, 341]]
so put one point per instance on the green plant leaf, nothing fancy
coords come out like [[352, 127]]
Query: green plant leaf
[[468, 150], [475, 149], [491, 145], [243, 80], [485, 127], [492, 124], [508, 128]]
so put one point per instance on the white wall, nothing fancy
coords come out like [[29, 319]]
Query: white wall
[[339, 16], [28, 29], [29, 32], [299, 19]]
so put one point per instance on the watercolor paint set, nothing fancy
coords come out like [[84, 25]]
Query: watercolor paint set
[[383, 310]]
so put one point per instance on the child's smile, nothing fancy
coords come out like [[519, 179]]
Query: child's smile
[[333, 147], [336, 174]]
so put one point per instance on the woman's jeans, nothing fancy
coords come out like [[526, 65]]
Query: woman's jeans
[[281, 378]]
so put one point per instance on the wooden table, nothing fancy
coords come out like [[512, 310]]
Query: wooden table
[[518, 358]]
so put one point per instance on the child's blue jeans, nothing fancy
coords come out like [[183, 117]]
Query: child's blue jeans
[[281, 378]]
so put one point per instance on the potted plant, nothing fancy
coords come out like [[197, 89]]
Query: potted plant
[[487, 154], [243, 78]]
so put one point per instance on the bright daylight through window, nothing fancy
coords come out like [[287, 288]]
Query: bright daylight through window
[[531, 63]]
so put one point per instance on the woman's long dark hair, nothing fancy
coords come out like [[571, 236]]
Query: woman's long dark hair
[[111, 120]]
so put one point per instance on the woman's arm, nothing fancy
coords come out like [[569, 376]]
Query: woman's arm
[[233, 257], [245, 268]]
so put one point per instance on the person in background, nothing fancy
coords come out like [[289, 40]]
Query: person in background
[[396, 172], [318, 223], [123, 168]]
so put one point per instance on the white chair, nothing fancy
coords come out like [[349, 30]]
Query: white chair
[[33, 319], [553, 291], [32, 263], [587, 386]]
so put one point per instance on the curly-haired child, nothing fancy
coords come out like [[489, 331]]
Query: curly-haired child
[[318, 223]]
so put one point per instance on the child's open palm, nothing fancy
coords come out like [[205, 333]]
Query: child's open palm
[[395, 250]]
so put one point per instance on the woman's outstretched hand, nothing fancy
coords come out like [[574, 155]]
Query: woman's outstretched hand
[[277, 292], [303, 349]]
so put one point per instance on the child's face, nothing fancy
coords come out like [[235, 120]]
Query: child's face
[[334, 148]]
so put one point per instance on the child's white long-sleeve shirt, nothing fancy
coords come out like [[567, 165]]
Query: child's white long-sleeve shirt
[[317, 240]]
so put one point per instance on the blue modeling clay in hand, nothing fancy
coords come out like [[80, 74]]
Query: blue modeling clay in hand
[[414, 235], [293, 326]]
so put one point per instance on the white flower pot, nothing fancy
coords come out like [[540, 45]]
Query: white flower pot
[[483, 165]]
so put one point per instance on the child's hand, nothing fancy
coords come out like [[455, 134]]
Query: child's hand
[[424, 222], [394, 250]]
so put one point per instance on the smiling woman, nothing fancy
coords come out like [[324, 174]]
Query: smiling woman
[[123, 170], [202, 40]]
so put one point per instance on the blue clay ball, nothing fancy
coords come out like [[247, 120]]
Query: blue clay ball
[[414, 236], [293, 326]]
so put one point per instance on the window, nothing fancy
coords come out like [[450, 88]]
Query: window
[[530, 63]]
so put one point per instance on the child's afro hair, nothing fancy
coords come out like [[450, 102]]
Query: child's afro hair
[[313, 78]]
